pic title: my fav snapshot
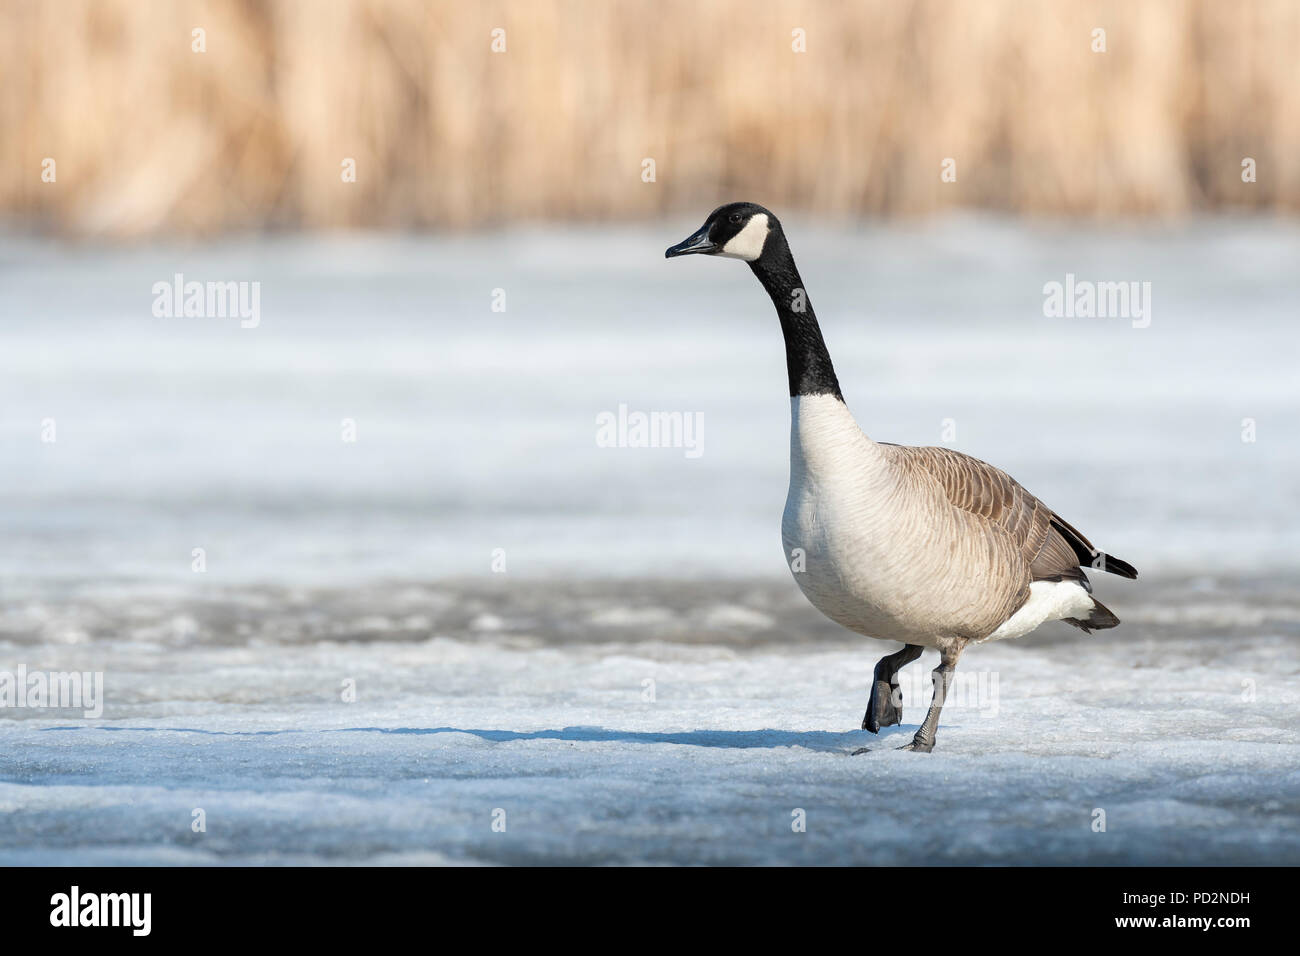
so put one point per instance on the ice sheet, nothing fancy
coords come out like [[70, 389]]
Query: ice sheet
[[1181, 726], [520, 686], [476, 430]]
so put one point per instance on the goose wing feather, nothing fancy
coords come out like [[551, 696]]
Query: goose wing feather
[[1050, 548]]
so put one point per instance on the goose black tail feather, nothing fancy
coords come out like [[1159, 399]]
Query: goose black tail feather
[[1101, 618], [1090, 557]]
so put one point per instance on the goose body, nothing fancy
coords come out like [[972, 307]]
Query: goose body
[[842, 516], [921, 545], [889, 553]]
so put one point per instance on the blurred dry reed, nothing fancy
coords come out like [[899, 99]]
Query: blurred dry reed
[[149, 136]]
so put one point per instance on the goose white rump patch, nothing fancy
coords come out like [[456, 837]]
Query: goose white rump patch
[[748, 243], [1048, 601]]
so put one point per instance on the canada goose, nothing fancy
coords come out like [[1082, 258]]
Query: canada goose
[[926, 546]]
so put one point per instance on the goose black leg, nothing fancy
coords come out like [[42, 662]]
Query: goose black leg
[[923, 742], [885, 709]]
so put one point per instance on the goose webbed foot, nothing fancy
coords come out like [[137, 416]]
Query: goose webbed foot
[[882, 709], [886, 705], [919, 746]]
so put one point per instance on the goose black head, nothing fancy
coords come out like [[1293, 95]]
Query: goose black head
[[738, 230]]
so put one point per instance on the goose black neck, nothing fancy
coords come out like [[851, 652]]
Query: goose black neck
[[806, 359]]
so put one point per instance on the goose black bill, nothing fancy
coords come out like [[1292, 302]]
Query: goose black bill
[[696, 242]]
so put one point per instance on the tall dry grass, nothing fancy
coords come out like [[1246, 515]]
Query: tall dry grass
[[149, 136]]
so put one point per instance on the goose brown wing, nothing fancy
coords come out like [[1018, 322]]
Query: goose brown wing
[[1051, 549]]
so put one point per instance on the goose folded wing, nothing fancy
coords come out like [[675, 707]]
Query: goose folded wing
[[1051, 548]]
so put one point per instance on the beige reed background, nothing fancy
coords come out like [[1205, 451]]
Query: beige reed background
[[151, 137]]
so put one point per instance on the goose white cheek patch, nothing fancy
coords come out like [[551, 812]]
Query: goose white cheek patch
[[748, 243]]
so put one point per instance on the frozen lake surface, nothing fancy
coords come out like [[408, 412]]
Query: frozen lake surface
[[476, 430], [638, 681], [534, 700]]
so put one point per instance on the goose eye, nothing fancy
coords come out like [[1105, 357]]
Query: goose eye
[[735, 218]]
